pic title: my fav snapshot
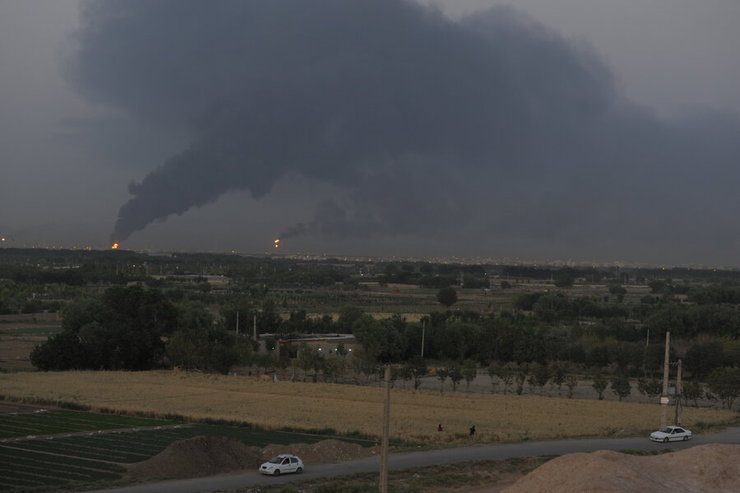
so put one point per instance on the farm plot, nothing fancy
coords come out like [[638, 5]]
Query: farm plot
[[135, 446], [42, 422], [91, 447], [24, 469]]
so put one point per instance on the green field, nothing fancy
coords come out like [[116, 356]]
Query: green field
[[86, 448], [64, 421]]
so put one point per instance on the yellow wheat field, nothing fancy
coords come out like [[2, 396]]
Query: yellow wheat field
[[346, 408]]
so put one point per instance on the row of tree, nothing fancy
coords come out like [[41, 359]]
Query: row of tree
[[136, 328]]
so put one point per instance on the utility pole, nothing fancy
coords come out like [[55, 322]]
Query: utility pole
[[237, 325], [386, 432], [679, 393], [254, 326], [664, 399], [423, 328]]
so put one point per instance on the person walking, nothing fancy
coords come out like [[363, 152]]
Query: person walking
[[472, 430]]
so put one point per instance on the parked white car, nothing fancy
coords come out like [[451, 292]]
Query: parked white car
[[670, 433], [282, 464]]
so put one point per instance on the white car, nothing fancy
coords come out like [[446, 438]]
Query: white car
[[281, 464], [670, 433]]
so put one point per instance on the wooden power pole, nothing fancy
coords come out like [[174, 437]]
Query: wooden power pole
[[386, 432], [664, 399]]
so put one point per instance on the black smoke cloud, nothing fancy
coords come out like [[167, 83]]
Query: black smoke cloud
[[493, 126]]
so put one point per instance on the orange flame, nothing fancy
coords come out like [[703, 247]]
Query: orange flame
[[115, 246]]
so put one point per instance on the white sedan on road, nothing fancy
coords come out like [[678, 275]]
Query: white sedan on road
[[281, 464], [670, 433]]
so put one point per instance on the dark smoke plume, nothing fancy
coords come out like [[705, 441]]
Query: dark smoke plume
[[493, 124]]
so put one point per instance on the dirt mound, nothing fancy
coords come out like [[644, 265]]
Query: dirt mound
[[323, 452], [207, 456], [198, 456], [711, 468]]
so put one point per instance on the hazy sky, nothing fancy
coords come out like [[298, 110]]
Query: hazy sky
[[589, 130]]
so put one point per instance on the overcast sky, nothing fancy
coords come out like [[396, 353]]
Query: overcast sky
[[588, 130]]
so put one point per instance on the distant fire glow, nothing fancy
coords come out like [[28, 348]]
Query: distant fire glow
[[114, 246], [277, 243]]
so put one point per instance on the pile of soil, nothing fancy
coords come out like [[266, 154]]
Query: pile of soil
[[713, 468], [323, 452], [207, 456], [196, 457]]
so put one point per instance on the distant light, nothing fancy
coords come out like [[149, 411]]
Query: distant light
[[277, 243]]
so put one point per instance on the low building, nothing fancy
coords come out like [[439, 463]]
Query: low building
[[326, 344]]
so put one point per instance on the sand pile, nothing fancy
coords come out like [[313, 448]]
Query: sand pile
[[704, 469], [207, 456]]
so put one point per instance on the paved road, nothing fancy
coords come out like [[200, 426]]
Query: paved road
[[426, 458]]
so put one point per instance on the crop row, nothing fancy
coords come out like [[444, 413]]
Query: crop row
[[66, 421], [23, 469], [135, 446], [98, 456]]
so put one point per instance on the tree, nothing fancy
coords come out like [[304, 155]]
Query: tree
[[617, 289], [348, 315], [621, 386], [540, 375], [61, 351], [442, 374], [382, 340], [725, 383], [124, 329], [447, 296], [571, 381], [701, 359], [417, 368], [492, 374], [332, 368], [661, 287], [693, 391], [599, 384], [558, 377], [469, 371], [564, 281], [199, 344], [506, 376], [649, 387], [455, 375], [520, 376]]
